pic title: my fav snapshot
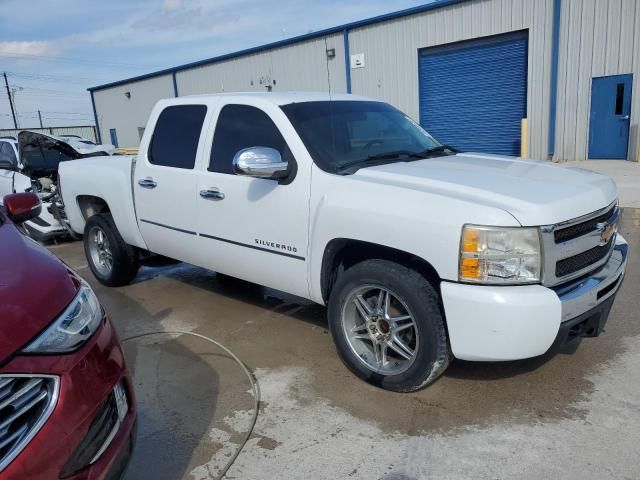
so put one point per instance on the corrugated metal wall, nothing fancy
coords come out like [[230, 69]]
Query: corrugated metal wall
[[302, 66], [126, 115], [391, 52], [597, 38], [473, 95]]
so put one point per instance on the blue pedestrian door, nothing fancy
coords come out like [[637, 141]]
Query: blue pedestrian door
[[473, 94], [114, 137], [610, 117]]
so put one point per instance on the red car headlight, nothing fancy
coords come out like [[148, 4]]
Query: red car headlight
[[73, 327]]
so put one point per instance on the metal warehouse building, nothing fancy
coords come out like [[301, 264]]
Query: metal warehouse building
[[469, 71]]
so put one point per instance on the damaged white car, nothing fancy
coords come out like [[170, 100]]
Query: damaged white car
[[30, 164]]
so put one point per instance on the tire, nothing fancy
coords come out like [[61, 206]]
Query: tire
[[124, 263], [410, 295]]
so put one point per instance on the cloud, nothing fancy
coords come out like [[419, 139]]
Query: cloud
[[212, 26], [25, 48], [172, 5], [170, 23]]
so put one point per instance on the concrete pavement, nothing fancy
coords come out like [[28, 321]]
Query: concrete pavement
[[563, 417], [625, 173]]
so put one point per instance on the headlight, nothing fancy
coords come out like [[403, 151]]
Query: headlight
[[73, 328], [499, 255]]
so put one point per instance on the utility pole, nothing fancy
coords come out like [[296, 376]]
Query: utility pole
[[13, 111], [40, 118]]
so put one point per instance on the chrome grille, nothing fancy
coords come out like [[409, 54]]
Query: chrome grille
[[580, 246], [577, 230], [26, 401], [583, 260]]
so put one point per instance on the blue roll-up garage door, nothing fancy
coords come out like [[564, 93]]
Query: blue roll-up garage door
[[473, 95]]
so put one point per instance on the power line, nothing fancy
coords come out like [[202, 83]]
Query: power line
[[43, 93], [49, 90], [58, 113], [77, 60], [88, 120], [56, 78], [53, 94], [35, 115]]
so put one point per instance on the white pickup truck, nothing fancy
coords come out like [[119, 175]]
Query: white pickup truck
[[421, 253]]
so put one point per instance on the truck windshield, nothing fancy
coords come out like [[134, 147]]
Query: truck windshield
[[343, 136]]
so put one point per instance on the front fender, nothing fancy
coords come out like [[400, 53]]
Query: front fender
[[420, 223]]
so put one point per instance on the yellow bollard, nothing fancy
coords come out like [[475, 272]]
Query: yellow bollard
[[524, 138]]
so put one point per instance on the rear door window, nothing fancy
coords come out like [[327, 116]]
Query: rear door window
[[176, 135], [240, 127]]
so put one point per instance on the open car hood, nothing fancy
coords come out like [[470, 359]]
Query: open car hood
[[40, 154]]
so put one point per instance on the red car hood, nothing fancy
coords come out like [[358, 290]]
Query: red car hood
[[35, 287]]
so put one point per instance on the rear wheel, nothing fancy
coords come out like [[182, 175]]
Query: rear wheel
[[112, 261], [386, 322]]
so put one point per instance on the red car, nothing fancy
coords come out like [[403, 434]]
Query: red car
[[67, 407]]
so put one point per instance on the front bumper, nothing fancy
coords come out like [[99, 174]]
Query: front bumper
[[489, 323], [87, 378]]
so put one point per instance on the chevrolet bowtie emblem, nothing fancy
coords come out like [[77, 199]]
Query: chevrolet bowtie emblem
[[607, 230]]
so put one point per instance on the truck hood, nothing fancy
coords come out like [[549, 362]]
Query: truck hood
[[534, 192], [35, 287], [40, 154]]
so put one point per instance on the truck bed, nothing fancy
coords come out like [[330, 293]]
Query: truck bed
[[105, 178]]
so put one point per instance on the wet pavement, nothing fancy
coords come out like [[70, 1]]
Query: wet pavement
[[573, 415]]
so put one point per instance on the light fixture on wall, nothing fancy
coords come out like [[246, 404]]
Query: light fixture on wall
[[331, 52], [127, 94]]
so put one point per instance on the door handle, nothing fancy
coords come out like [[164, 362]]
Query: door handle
[[147, 183], [212, 194], [625, 118]]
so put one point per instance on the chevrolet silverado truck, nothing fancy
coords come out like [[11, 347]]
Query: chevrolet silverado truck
[[421, 253]]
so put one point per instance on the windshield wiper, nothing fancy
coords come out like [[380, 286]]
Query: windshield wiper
[[381, 156], [396, 154], [438, 149], [411, 154], [408, 154]]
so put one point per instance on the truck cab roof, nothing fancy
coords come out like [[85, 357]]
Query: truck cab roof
[[276, 98]]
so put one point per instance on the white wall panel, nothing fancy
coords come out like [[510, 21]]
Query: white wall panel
[[598, 38], [126, 115], [634, 140], [301, 66], [391, 52]]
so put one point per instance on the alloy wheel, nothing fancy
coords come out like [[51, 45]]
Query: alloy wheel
[[380, 329], [100, 251]]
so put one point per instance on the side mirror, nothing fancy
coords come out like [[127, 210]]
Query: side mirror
[[22, 206], [260, 162], [7, 165]]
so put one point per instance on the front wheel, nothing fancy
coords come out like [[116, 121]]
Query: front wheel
[[112, 261], [386, 322]]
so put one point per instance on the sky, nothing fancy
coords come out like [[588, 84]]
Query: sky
[[53, 50]]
